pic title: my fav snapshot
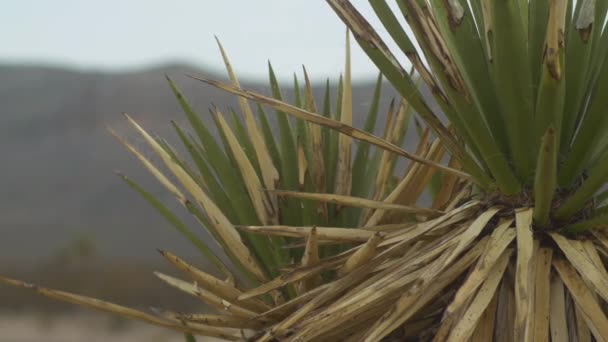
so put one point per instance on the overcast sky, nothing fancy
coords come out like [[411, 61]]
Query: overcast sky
[[124, 34]]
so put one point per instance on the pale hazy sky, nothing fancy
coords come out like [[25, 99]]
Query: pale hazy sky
[[119, 34]]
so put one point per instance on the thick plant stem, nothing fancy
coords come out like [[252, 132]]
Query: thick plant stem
[[546, 177]]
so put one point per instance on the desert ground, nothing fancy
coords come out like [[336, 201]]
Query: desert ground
[[81, 327]]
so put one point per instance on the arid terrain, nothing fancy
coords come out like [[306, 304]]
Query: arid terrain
[[81, 327]]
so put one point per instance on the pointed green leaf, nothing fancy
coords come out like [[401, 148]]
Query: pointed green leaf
[[456, 86], [586, 225], [215, 190], [596, 178], [511, 69], [289, 162], [269, 136], [221, 164], [578, 52], [245, 141], [177, 223], [537, 28], [590, 133], [463, 40], [361, 178], [378, 52], [552, 86]]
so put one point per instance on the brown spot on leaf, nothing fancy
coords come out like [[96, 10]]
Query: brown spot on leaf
[[585, 33]]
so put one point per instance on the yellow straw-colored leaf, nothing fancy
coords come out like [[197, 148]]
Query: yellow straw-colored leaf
[[290, 306], [344, 172], [499, 240], [593, 276], [464, 192], [318, 161], [486, 326], [365, 253], [151, 168], [333, 124], [323, 233], [448, 184], [586, 329], [270, 175], [358, 202], [302, 166], [558, 323], [410, 178], [582, 329], [424, 174], [412, 301], [224, 289], [585, 299], [465, 327], [523, 274], [226, 321], [473, 232], [292, 276], [207, 296], [220, 223], [589, 248], [505, 310], [260, 200], [359, 275], [382, 176], [311, 258], [542, 295], [602, 237], [123, 311]]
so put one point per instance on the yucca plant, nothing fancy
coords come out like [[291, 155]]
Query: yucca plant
[[512, 247]]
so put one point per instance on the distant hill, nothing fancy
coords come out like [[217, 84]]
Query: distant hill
[[56, 176]]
